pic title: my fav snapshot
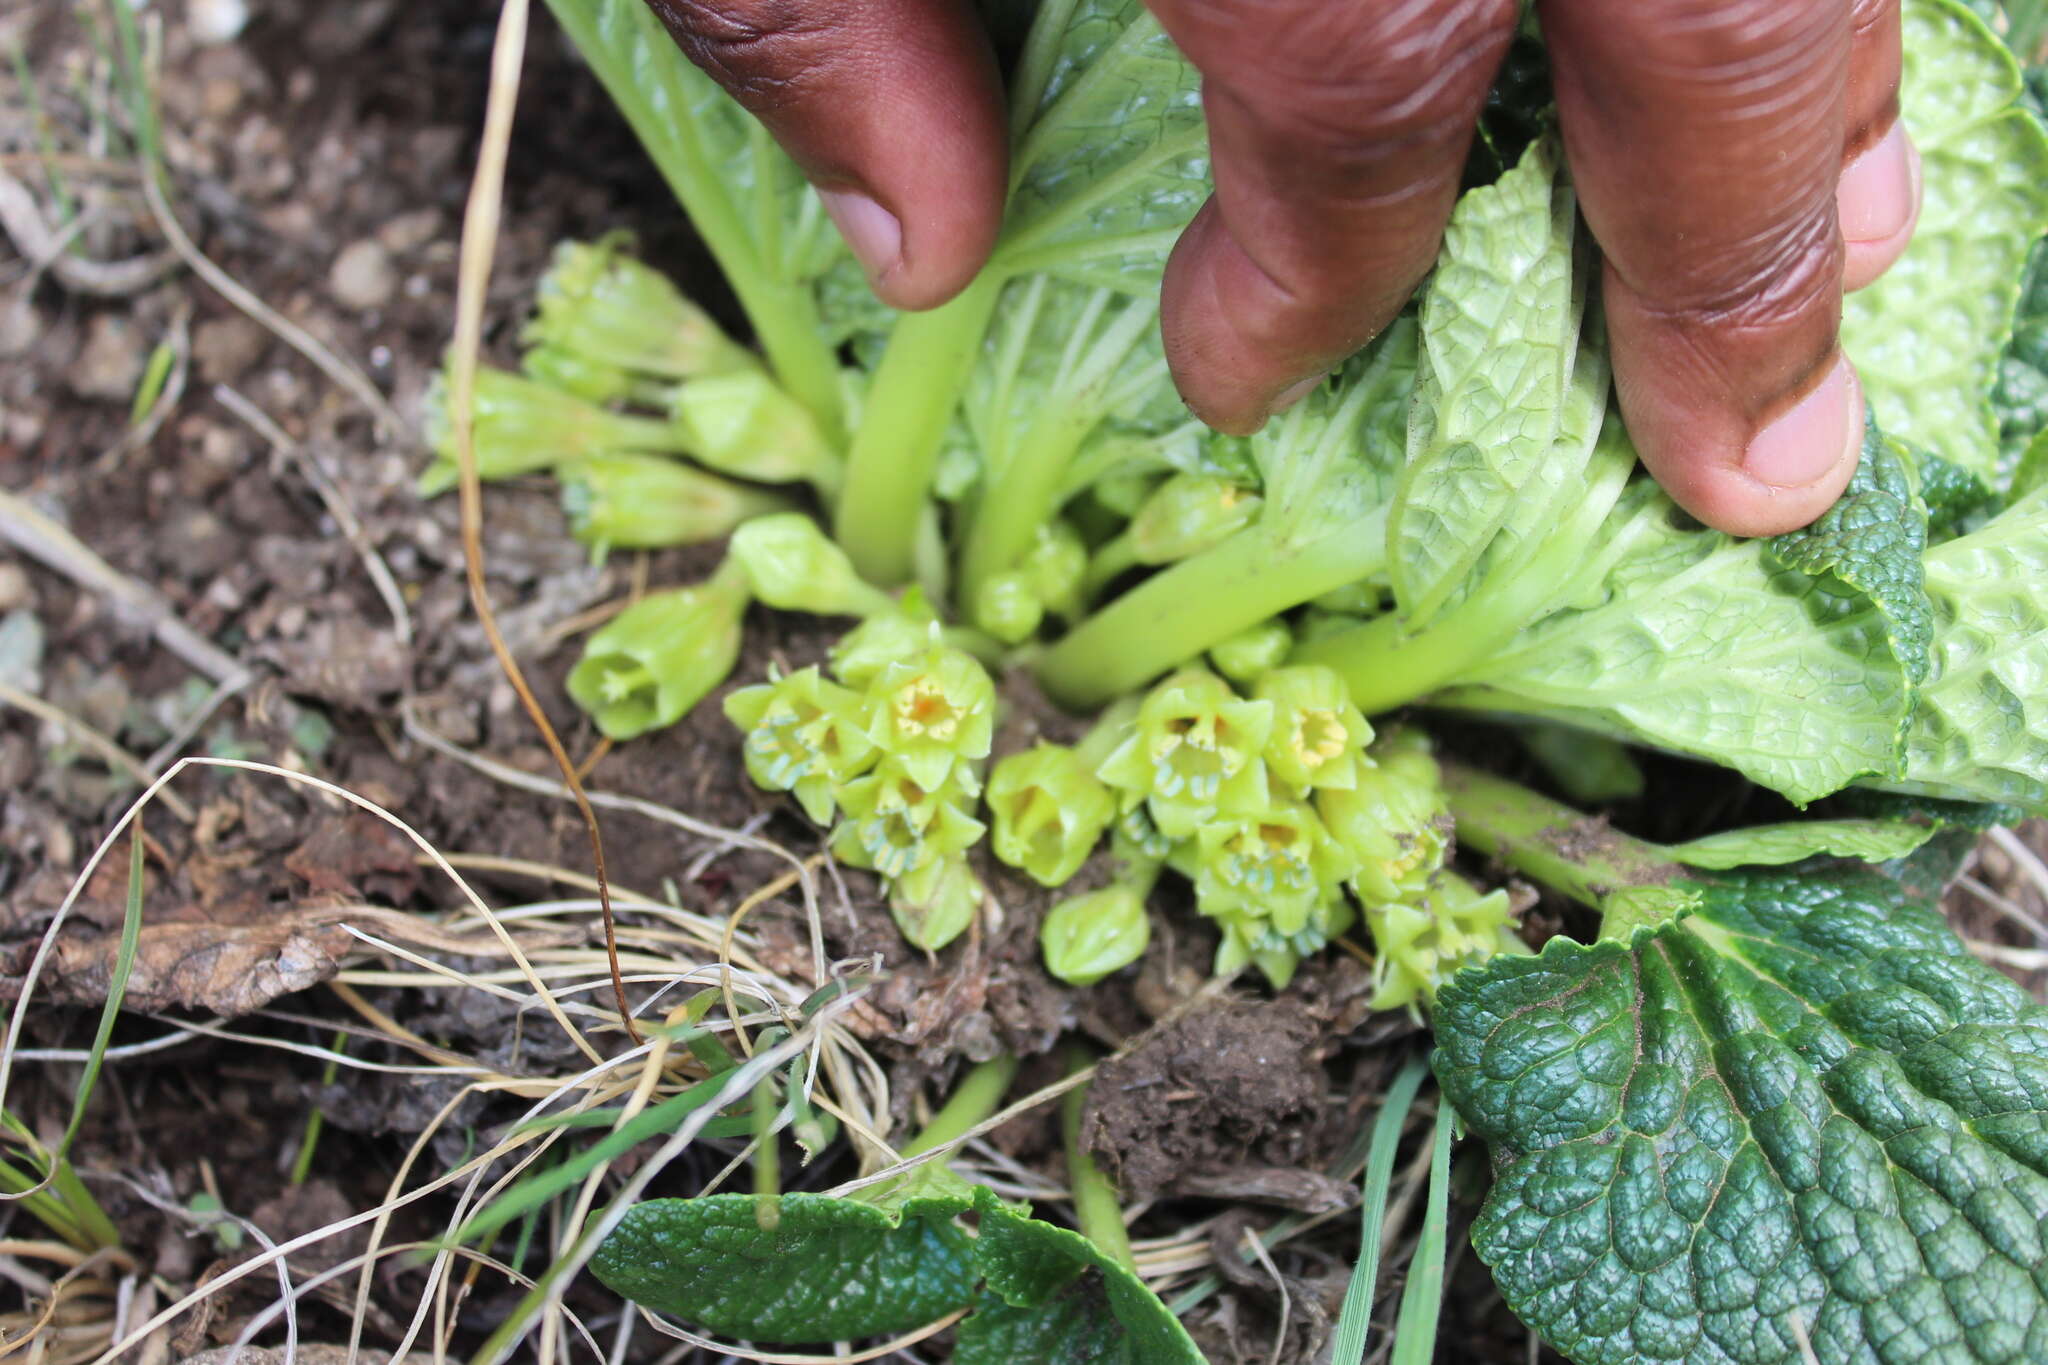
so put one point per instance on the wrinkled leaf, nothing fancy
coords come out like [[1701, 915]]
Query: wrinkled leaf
[[1871, 541], [831, 1269], [1500, 337], [1927, 337], [1873, 841], [1980, 732], [1805, 1111], [1062, 1299]]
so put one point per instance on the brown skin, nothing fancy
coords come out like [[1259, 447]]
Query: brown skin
[[1736, 160]]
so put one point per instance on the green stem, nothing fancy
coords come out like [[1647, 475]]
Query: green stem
[[316, 1119], [1577, 854], [1177, 613], [889, 464], [1021, 497], [972, 1101], [1097, 1207]]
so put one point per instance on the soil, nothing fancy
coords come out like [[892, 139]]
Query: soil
[[321, 158]]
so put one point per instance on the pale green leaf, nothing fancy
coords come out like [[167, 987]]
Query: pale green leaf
[[1927, 337], [1874, 841]]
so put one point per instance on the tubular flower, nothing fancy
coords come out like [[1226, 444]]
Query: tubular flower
[[521, 425], [1421, 945], [793, 566], [933, 713], [743, 423], [1252, 652], [1194, 752], [1278, 866], [1049, 811], [805, 735], [660, 656], [643, 502], [579, 374], [1393, 822], [895, 824], [936, 902], [602, 306], [1318, 737], [1250, 939]]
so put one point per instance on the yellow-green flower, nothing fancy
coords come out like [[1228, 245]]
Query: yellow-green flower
[[1318, 737], [805, 735], [1194, 752], [1049, 811], [1421, 945], [1393, 822]]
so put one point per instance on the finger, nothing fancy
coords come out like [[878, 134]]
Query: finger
[[893, 109], [1878, 200], [1337, 133], [1706, 143]]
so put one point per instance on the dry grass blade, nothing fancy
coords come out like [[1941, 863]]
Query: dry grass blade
[[473, 273]]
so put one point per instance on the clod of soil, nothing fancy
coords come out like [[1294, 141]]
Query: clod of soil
[[1237, 1082]]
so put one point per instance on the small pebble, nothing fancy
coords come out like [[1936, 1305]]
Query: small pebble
[[362, 277], [15, 589], [216, 21], [224, 348], [110, 364]]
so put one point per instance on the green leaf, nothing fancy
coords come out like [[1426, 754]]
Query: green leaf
[[1873, 841], [829, 1270], [1112, 158], [1699, 646], [1062, 1300], [767, 229], [1871, 541], [1502, 376], [1980, 732], [1926, 338], [2021, 396], [1803, 1112]]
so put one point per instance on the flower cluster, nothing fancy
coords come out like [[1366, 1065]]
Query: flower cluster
[[891, 748], [623, 383]]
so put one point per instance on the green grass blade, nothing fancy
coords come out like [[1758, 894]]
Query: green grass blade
[[1423, 1300], [1355, 1320]]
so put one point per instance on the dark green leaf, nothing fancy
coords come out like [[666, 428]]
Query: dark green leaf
[[1063, 1300], [830, 1270], [1803, 1113], [2021, 395], [1872, 540]]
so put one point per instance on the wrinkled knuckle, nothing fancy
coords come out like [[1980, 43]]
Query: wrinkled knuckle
[[1747, 45], [766, 52], [1871, 18], [1392, 74], [1789, 273]]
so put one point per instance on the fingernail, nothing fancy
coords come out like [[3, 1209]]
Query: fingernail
[[1293, 394], [1816, 434], [872, 232], [1877, 194]]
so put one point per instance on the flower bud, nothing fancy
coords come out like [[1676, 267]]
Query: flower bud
[[794, 566], [521, 425], [1245, 656], [1188, 514], [1393, 822], [743, 423], [1087, 937], [609, 309], [645, 502], [1007, 607], [935, 904]]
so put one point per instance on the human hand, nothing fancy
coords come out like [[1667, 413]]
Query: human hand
[[1739, 162]]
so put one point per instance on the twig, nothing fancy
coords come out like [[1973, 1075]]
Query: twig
[[298, 338], [44, 540], [336, 502], [45, 250], [107, 749]]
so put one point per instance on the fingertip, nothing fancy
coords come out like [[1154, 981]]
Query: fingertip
[[1788, 472], [1878, 204]]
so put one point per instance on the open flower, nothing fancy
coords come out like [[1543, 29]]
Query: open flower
[[660, 656], [1422, 944], [805, 735], [896, 824], [1049, 810], [933, 713], [1277, 865], [1194, 751], [1318, 737], [1393, 821]]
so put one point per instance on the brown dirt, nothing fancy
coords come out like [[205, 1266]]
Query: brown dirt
[[322, 129]]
